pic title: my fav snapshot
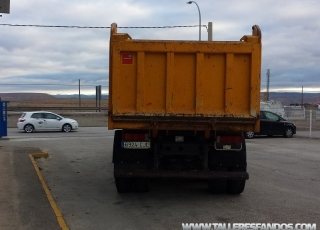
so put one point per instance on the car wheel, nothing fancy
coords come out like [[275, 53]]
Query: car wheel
[[66, 128], [288, 132], [249, 134], [28, 128]]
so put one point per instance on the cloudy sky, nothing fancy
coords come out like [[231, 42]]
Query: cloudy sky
[[52, 60]]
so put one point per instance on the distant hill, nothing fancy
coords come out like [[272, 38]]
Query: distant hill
[[42, 96], [294, 98], [284, 98], [25, 96], [77, 96]]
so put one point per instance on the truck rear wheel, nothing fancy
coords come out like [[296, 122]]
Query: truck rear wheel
[[235, 186], [217, 186], [141, 185], [124, 184]]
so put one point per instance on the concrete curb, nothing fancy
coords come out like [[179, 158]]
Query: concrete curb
[[46, 189]]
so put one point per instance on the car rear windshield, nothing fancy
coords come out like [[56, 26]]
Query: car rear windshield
[[22, 115]]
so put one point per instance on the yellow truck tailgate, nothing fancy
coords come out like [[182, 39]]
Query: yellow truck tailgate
[[198, 85]]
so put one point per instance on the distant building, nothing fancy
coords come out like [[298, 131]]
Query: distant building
[[317, 104], [273, 106]]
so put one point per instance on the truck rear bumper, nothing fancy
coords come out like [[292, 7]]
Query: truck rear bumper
[[206, 175], [165, 122]]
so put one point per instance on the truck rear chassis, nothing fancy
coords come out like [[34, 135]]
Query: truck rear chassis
[[195, 158]]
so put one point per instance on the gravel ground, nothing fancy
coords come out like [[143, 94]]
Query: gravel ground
[[85, 119]]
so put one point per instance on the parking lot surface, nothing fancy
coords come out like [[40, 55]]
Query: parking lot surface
[[23, 204], [284, 185]]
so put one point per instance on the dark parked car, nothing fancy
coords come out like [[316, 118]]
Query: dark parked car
[[272, 124]]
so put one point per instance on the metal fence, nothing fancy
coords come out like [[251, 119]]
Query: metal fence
[[305, 120]]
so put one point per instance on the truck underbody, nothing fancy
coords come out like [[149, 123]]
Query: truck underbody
[[219, 159]]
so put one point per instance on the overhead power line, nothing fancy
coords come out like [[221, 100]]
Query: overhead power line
[[101, 27]]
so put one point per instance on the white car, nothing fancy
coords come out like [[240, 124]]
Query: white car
[[42, 120]]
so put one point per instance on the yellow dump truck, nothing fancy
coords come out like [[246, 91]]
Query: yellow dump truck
[[180, 108]]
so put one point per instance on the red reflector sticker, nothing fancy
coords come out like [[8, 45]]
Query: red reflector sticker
[[135, 137], [127, 59]]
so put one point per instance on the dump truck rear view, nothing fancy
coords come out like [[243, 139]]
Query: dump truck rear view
[[179, 109]]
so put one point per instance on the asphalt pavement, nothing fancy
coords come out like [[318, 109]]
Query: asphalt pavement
[[312, 134], [23, 202], [283, 185]]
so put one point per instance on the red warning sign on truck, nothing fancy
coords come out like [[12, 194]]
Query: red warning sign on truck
[[127, 58]]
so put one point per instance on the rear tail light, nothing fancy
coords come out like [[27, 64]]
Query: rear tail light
[[22, 120], [228, 143], [229, 139], [135, 137]]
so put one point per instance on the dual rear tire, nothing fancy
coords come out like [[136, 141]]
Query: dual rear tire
[[229, 186], [125, 185], [232, 161]]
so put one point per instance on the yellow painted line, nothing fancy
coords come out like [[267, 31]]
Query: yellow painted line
[[46, 189]]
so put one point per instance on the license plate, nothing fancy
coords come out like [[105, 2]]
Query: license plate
[[226, 147], [135, 145]]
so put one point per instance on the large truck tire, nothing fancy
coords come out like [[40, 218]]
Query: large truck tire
[[235, 186], [141, 185], [235, 161], [117, 150], [125, 159], [217, 186], [124, 185]]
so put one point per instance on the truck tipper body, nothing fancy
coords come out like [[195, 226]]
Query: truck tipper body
[[179, 109]]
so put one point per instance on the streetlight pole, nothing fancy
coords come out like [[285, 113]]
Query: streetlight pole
[[190, 2]]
